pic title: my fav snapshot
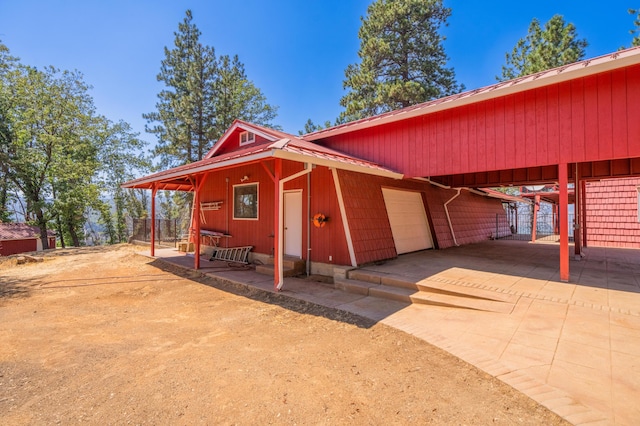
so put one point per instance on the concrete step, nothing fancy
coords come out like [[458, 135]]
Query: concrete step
[[423, 296], [430, 286], [268, 270], [289, 262], [458, 301], [292, 266]]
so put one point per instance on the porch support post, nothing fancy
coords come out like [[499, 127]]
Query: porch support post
[[534, 223], [577, 214], [196, 237], [563, 181], [154, 190], [583, 198], [277, 217]]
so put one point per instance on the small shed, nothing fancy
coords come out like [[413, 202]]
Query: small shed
[[21, 238]]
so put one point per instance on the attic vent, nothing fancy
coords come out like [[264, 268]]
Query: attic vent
[[247, 138]]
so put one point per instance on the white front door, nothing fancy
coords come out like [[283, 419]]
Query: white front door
[[408, 220], [293, 223]]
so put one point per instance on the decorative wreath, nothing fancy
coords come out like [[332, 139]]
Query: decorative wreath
[[320, 220]]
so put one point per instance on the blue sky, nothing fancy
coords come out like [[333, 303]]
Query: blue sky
[[294, 51]]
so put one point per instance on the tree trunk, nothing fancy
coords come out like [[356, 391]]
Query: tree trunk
[[72, 232], [60, 231], [42, 224]]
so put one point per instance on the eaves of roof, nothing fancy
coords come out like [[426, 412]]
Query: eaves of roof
[[287, 149]]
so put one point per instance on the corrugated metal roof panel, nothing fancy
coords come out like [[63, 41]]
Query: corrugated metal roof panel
[[20, 231]]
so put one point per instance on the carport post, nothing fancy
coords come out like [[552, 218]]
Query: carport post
[[583, 210], [563, 181], [154, 190], [534, 221], [196, 239]]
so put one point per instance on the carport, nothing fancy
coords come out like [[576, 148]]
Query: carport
[[567, 125]]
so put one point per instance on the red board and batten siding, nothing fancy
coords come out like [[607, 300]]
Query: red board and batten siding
[[326, 242], [612, 213], [8, 247], [587, 119]]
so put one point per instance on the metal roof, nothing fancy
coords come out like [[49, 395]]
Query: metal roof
[[20, 231], [288, 148], [584, 68]]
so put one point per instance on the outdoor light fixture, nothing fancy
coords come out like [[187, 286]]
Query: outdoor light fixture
[[245, 178]]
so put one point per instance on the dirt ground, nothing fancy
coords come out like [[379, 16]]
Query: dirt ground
[[105, 336]]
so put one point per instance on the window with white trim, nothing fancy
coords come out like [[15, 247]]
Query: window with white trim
[[247, 138], [245, 201]]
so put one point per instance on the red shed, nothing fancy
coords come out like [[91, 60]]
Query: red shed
[[21, 238]]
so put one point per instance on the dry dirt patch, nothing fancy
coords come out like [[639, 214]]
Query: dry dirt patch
[[107, 336]]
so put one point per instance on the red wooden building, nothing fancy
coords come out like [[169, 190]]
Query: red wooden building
[[21, 238], [411, 179]]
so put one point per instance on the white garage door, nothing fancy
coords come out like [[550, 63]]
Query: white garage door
[[409, 223]]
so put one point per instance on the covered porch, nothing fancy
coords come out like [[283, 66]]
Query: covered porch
[[243, 198]]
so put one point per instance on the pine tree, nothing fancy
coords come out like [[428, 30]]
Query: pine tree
[[402, 59], [554, 45], [203, 95], [184, 118], [238, 98]]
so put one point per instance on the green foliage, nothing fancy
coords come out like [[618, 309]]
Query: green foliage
[[635, 41], [402, 59], [57, 154], [310, 127], [554, 45], [203, 95], [238, 98]]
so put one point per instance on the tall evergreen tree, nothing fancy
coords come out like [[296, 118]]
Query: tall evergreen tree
[[184, 118], [402, 59], [238, 98], [203, 95], [554, 45]]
